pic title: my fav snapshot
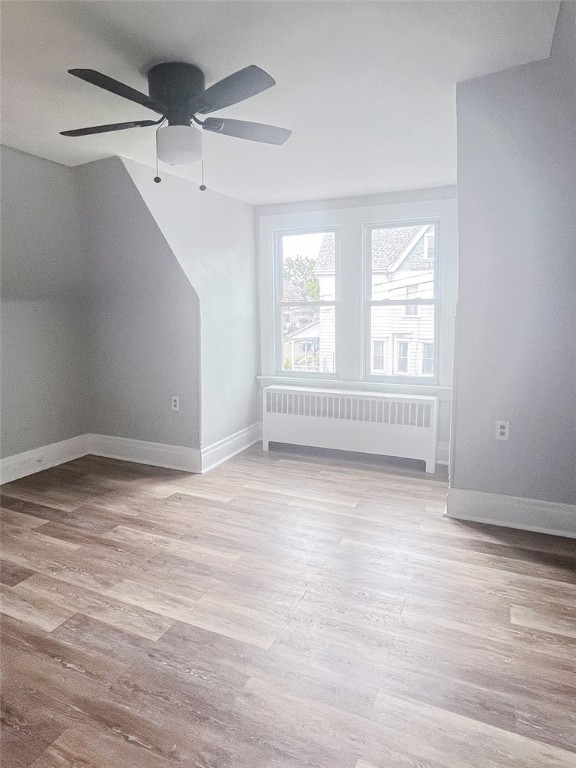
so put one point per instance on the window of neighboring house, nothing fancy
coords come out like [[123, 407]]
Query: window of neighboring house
[[427, 358], [429, 246], [401, 360], [412, 310], [402, 295], [306, 264], [378, 355]]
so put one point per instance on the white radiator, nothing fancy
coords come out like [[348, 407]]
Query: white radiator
[[368, 422]]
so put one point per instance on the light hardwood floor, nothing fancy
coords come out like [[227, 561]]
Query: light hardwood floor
[[283, 611]]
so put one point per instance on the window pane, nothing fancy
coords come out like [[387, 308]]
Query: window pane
[[402, 262], [404, 341], [308, 339], [309, 267]]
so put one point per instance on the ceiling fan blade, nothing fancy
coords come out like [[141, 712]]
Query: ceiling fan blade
[[107, 128], [114, 86], [268, 134], [237, 87]]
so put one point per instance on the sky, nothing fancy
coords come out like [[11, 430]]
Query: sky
[[302, 245]]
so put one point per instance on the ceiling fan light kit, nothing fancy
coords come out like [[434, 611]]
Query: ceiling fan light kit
[[179, 145], [176, 91]]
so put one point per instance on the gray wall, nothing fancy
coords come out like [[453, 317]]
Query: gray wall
[[43, 323], [213, 238], [144, 317], [516, 317], [101, 325]]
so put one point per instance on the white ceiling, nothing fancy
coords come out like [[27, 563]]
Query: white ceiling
[[367, 87]]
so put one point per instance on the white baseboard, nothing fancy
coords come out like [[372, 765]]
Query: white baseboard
[[443, 453], [140, 451], [28, 462], [126, 449], [222, 450], [512, 512], [144, 452]]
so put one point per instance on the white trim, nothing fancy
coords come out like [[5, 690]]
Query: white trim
[[362, 201], [222, 450], [512, 512], [443, 453], [27, 463], [397, 388], [126, 449], [144, 452]]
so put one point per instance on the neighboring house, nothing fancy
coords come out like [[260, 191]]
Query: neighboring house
[[301, 349], [401, 334]]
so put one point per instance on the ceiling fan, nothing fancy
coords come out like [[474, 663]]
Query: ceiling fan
[[177, 92]]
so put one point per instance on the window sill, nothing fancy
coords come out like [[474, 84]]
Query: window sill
[[442, 393]]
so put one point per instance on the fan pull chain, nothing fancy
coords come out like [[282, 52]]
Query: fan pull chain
[[157, 178], [202, 186]]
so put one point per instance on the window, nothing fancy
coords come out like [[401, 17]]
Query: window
[[306, 299], [402, 295], [427, 358], [429, 246], [401, 362], [412, 310], [341, 286], [378, 355]]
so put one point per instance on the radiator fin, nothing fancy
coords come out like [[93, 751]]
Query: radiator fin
[[399, 412]]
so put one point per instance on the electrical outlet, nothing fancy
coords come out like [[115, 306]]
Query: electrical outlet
[[502, 429], [175, 400]]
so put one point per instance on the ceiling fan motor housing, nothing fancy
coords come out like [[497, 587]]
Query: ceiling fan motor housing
[[176, 84]]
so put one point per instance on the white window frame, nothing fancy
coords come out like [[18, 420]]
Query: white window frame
[[349, 218], [280, 304], [369, 302]]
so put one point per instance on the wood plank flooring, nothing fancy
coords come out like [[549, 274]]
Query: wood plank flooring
[[283, 611]]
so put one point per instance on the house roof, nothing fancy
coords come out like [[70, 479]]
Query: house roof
[[388, 244], [311, 331]]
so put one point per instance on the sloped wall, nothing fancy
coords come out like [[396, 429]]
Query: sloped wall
[[515, 340], [143, 317], [101, 324], [213, 238]]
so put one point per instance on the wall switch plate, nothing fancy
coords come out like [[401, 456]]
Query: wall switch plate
[[175, 401], [502, 429]]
